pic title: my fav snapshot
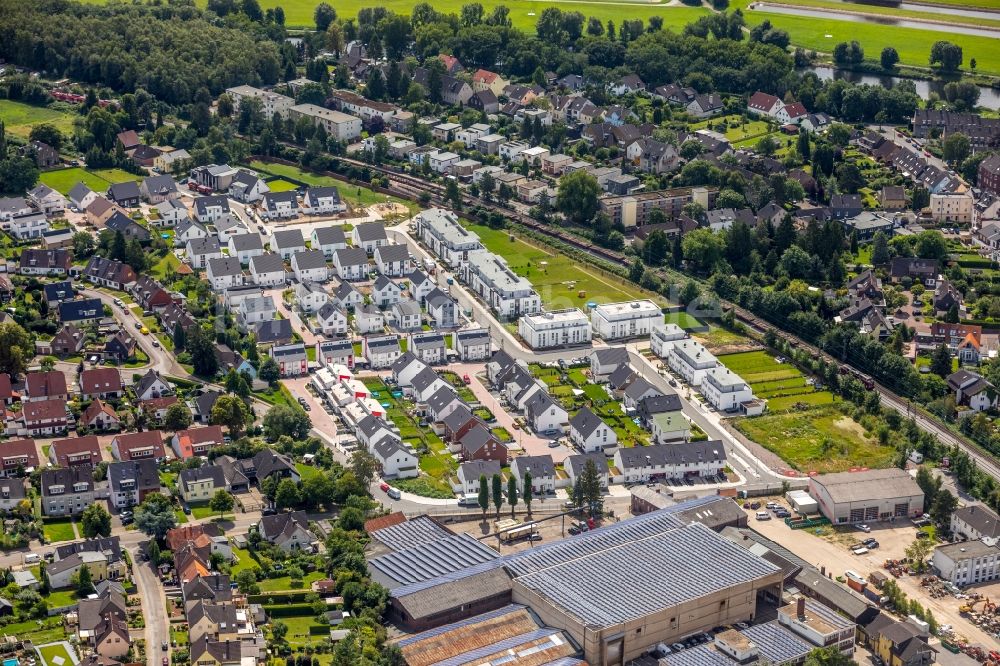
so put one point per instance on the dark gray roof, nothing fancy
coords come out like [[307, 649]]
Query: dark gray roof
[[458, 418], [351, 256], [316, 193], [205, 472], [273, 330], [474, 469], [267, 263], [202, 204], [288, 239], [424, 378], [427, 340], [144, 473], [639, 388], [404, 360], [981, 518], [407, 308], [671, 454], [330, 235], [209, 245], [309, 259], [244, 242], [576, 464], [442, 398], [473, 335], [389, 253], [539, 466], [224, 266], [370, 231], [271, 199], [428, 561], [343, 290], [611, 355], [585, 422]]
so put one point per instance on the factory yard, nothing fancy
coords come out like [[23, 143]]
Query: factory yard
[[829, 550]]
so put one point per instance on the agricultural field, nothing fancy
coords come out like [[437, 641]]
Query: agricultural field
[[63, 180], [781, 384], [562, 282], [818, 439], [19, 118]]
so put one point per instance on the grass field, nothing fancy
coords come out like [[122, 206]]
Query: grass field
[[19, 118], [55, 654], [63, 180], [355, 195], [913, 45], [285, 583], [562, 279], [280, 185], [733, 127], [299, 630], [51, 629], [59, 529], [683, 319], [774, 381], [820, 439], [299, 13], [893, 12]]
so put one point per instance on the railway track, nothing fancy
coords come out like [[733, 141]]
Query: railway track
[[411, 187]]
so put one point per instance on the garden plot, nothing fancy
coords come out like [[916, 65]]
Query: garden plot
[[770, 379]]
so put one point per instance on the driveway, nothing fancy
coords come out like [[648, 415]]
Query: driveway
[[292, 314]]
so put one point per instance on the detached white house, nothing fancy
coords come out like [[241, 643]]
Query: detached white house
[[310, 266], [332, 319], [328, 240], [323, 201], [724, 389], [590, 433], [393, 260], [542, 470], [351, 263], [397, 461], [268, 270]]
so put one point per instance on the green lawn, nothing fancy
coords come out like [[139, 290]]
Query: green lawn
[[62, 598], [38, 632], [355, 195], [891, 11], [55, 655], [244, 561], [280, 185], [683, 319], [558, 279], [19, 118], [160, 268], [912, 44], [59, 529], [285, 583], [307, 471], [201, 510], [820, 439], [298, 630], [299, 13], [734, 127], [63, 180]]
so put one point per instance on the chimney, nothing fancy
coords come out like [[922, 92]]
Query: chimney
[[800, 608]]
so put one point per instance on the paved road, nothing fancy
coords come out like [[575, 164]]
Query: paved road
[[159, 358], [154, 609]]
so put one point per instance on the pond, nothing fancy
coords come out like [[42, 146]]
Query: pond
[[988, 97]]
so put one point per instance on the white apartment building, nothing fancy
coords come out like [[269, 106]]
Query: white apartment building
[[555, 329], [968, 562], [662, 338], [724, 389], [441, 231], [506, 292], [627, 319], [342, 126], [270, 102], [691, 360]]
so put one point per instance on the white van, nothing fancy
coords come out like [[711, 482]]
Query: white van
[[32, 558], [763, 515]]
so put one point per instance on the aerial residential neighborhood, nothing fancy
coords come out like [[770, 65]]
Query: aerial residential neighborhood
[[581, 334]]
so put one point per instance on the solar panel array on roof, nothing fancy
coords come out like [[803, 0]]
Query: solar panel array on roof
[[416, 532], [694, 559], [700, 655], [776, 643], [432, 560]]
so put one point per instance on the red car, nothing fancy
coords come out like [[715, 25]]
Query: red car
[[467, 379], [384, 487]]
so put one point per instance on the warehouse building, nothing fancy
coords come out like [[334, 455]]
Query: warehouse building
[[867, 496], [691, 581]]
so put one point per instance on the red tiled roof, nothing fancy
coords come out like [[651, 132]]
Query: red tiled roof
[[762, 101], [796, 110], [40, 384], [383, 522], [100, 380], [62, 449], [44, 410], [94, 409], [16, 449]]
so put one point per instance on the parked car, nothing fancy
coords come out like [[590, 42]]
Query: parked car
[[763, 515], [864, 528]]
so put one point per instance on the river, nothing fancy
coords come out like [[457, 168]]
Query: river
[[988, 97], [877, 20]]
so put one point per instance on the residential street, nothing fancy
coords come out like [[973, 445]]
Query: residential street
[[154, 607]]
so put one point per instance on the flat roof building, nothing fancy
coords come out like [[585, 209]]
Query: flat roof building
[[558, 328], [339, 125], [627, 319]]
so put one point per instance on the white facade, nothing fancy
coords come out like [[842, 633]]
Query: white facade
[[955, 208], [724, 389], [555, 329], [662, 338], [507, 293], [341, 126], [968, 563], [691, 360], [628, 319], [270, 103]]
